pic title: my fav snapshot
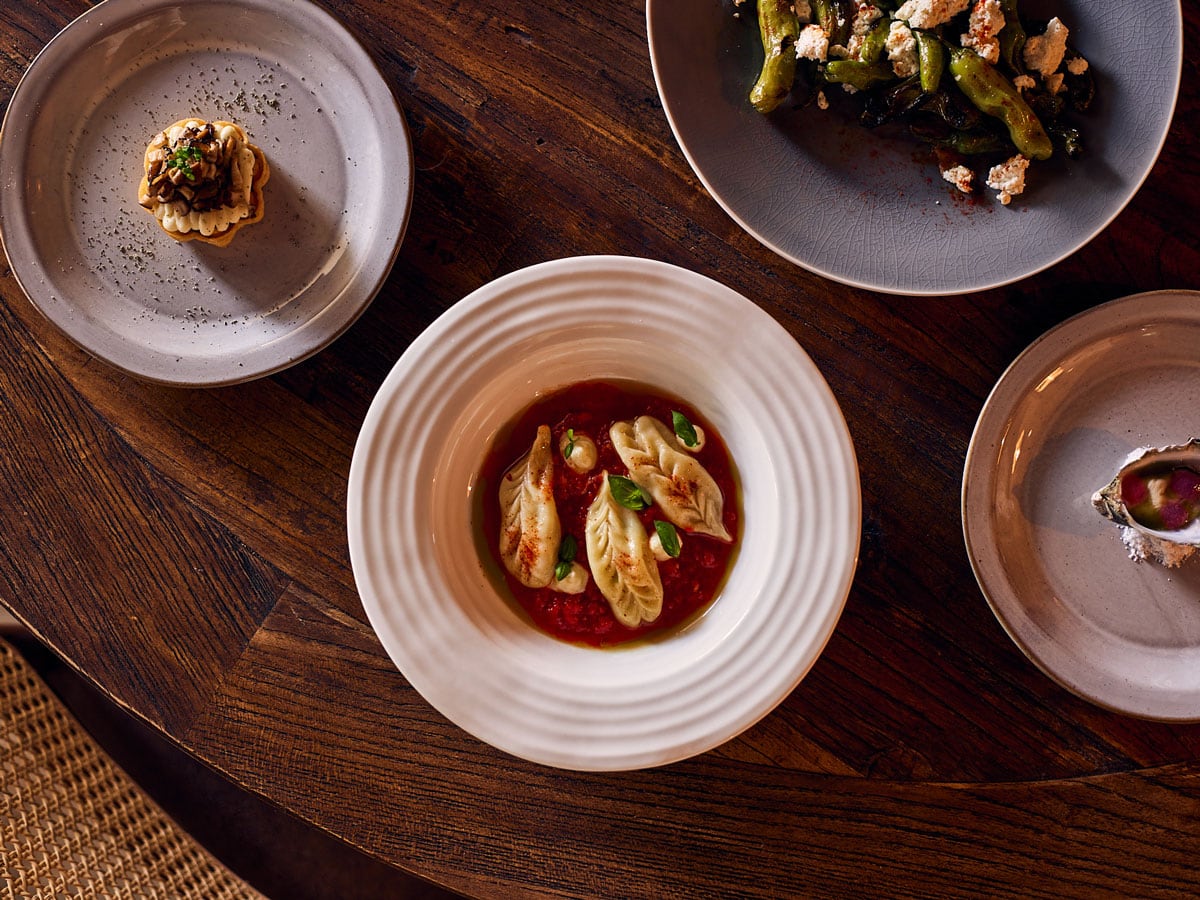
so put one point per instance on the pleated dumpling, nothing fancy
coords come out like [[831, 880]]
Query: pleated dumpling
[[677, 482], [529, 526], [621, 560]]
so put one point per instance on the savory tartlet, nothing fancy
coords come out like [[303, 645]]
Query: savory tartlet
[[203, 181]]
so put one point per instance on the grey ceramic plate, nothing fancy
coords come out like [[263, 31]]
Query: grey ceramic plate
[[1057, 426], [822, 192], [97, 264]]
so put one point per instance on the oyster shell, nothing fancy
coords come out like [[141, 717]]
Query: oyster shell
[[1155, 498]]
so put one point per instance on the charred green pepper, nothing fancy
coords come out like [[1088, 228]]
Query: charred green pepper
[[931, 58], [996, 96], [836, 17], [966, 143], [859, 75], [1012, 38], [874, 42], [779, 28]]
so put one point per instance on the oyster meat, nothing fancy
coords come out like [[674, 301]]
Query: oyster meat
[[1155, 499]]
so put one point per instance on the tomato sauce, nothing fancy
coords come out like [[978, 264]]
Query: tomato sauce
[[690, 582]]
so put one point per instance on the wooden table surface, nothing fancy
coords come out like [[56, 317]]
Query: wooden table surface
[[186, 549]]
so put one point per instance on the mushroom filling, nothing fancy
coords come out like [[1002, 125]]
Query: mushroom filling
[[199, 177]]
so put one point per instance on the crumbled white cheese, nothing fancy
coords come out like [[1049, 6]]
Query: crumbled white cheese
[[961, 177], [1054, 83], [1024, 83], [1077, 66], [865, 15], [983, 34], [803, 11], [902, 50], [1044, 52], [1008, 178], [812, 43], [930, 13], [822, 100]]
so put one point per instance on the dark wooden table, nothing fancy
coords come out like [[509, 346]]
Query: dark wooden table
[[186, 549]]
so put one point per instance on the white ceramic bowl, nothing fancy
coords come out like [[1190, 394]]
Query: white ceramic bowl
[[414, 538]]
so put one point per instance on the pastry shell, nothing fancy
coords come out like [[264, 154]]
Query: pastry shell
[[261, 174]]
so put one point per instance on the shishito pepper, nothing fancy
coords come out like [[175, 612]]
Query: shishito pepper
[[931, 58], [874, 42], [859, 75], [779, 28], [1012, 37], [836, 17], [995, 95]]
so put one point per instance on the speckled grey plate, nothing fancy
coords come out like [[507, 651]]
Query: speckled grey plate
[[97, 264], [1057, 426], [847, 204]]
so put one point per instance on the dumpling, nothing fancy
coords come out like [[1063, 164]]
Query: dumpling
[[621, 560], [529, 527], [678, 483]]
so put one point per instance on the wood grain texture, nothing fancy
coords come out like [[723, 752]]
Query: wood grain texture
[[187, 549]]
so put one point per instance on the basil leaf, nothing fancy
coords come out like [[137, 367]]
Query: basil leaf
[[569, 447], [684, 429], [669, 538], [567, 549], [562, 570], [627, 493]]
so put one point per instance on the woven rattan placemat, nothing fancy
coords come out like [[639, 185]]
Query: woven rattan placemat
[[72, 824]]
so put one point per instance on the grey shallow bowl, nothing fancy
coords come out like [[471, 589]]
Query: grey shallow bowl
[[98, 265], [869, 210]]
